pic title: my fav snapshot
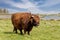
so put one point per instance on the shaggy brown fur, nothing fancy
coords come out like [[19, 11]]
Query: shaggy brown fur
[[23, 21]]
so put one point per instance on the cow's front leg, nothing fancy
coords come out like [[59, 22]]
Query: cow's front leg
[[21, 31], [28, 32]]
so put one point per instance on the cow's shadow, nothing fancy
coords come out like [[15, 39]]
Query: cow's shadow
[[9, 33]]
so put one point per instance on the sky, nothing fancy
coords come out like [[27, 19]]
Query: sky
[[33, 6]]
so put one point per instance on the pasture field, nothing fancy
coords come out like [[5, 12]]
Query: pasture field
[[47, 30]]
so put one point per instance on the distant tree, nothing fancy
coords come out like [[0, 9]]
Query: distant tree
[[0, 11], [4, 10]]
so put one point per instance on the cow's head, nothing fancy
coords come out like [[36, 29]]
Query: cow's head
[[35, 20]]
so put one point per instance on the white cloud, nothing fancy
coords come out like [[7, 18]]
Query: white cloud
[[50, 3], [32, 7], [53, 12], [12, 10], [26, 4]]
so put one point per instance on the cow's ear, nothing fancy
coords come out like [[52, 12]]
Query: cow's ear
[[32, 17]]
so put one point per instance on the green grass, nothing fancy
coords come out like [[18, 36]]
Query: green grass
[[47, 30]]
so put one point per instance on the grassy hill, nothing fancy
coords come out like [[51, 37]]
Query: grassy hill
[[47, 30]]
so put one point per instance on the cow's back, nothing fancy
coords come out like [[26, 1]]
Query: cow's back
[[20, 19]]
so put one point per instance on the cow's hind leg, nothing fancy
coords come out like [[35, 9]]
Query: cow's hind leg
[[15, 30], [25, 31]]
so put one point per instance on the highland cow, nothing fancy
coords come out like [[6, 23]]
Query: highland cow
[[23, 21]]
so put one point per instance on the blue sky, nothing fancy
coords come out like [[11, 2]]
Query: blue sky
[[34, 6]]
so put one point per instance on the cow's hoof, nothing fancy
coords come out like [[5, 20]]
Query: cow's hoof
[[21, 33], [28, 34]]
